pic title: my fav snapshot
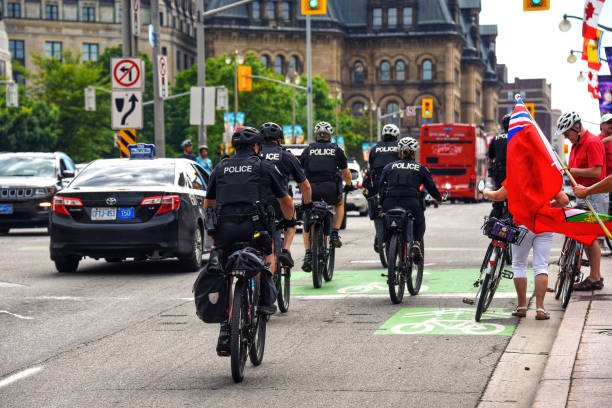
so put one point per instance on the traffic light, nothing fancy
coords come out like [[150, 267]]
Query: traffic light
[[531, 108], [427, 108], [312, 7], [536, 5], [245, 83]]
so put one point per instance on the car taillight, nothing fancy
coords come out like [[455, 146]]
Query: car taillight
[[60, 203], [166, 203]]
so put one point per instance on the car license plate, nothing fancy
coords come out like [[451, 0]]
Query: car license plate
[[103, 213], [125, 213], [6, 208]]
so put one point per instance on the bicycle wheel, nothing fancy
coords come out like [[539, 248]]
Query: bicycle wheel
[[283, 288], [498, 267], [487, 288], [395, 276], [328, 272], [318, 263], [562, 274], [256, 351], [382, 254], [487, 257], [414, 276], [238, 328], [572, 272]]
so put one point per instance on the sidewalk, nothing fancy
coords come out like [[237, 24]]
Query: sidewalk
[[578, 372]]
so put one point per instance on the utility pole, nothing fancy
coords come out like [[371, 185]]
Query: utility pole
[[309, 75], [158, 102], [126, 14]]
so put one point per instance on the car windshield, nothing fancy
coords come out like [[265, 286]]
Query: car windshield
[[126, 173], [27, 166]]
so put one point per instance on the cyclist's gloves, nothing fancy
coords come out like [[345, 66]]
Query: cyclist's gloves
[[348, 188], [284, 224], [307, 207]]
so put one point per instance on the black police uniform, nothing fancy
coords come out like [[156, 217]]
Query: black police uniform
[[189, 156], [400, 184], [321, 162], [237, 184], [382, 153], [497, 169]]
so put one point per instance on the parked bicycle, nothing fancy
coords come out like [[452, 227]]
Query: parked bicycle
[[569, 270], [319, 222]]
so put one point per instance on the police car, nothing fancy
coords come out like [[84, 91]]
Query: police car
[[131, 208], [355, 200]]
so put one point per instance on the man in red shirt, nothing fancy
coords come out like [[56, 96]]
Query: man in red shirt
[[587, 164], [606, 139]]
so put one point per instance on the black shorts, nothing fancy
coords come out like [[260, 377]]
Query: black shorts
[[228, 234], [328, 191]]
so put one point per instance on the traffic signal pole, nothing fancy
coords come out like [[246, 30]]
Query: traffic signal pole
[[309, 75], [158, 102]]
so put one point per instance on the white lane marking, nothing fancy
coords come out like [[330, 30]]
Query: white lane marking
[[11, 285], [20, 376], [366, 261], [16, 315], [430, 264], [79, 298], [502, 295]]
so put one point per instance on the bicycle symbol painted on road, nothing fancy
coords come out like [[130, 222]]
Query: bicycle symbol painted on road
[[372, 287]]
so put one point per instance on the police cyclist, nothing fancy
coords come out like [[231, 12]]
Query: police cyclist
[[237, 190], [497, 164], [288, 165], [400, 186], [321, 161]]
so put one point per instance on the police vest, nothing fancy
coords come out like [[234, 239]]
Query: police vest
[[320, 162], [386, 152], [274, 153], [501, 143], [239, 181], [404, 179]]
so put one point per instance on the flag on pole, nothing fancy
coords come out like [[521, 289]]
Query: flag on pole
[[593, 84], [592, 9], [533, 178], [590, 51]]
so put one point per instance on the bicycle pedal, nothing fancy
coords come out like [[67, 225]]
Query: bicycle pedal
[[507, 274], [468, 301], [477, 283], [384, 275]]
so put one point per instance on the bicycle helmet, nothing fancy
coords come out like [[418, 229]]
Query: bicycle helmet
[[246, 136], [323, 128], [567, 121], [407, 143], [202, 146], [391, 130], [270, 131], [186, 143], [506, 122]]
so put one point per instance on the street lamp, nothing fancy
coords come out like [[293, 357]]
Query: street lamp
[[565, 25], [581, 77], [571, 58], [239, 60]]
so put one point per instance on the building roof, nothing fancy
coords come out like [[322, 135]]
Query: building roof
[[434, 12]]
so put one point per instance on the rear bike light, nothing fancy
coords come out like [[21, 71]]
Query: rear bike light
[[166, 203], [60, 203]]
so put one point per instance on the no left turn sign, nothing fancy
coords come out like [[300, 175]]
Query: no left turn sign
[[128, 73], [162, 67]]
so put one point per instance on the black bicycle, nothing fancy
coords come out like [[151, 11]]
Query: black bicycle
[[569, 270], [320, 221], [282, 281], [402, 267], [503, 233], [376, 214], [247, 327]]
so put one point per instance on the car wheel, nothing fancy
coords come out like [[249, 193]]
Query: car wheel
[[363, 213], [67, 263], [193, 261]]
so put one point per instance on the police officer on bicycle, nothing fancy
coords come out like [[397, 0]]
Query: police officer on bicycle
[[288, 165], [400, 186], [497, 164], [322, 162], [238, 188]]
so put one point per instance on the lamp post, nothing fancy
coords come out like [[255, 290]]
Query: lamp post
[[371, 109], [295, 78], [565, 25], [571, 58], [581, 77], [238, 61]]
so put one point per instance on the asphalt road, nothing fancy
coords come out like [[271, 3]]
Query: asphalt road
[[127, 335]]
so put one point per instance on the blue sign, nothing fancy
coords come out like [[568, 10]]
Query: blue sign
[[141, 150], [339, 140], [152, 35]]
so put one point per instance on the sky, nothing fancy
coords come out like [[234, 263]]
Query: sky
[[531, 45]]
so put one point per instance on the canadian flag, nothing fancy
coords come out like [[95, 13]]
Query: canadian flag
[[593, 86], [592, 8]]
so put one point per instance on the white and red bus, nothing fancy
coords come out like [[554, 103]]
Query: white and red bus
[[456, 155]]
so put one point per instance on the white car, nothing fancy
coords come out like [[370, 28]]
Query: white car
[[355, 200]]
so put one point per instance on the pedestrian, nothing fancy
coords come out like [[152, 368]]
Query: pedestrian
[[587, 164], [187, 147], [203, 160], [541, 244]]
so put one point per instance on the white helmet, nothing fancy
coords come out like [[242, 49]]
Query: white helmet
[[566, 122], [391, 130], [407, 143], [323, 128]]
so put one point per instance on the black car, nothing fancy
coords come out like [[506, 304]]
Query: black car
[[139, 208], [27, 184]]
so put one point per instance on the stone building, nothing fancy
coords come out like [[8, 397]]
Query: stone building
[[5, 56]]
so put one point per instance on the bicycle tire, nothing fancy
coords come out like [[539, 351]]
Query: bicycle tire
[[394, 269], [317, 254], [562, 274], [487, 257], [573, 271], [328, 272], [483, 304], [238, 341], [498, 267], [382, 254], [283, 288], [258, 345], [415, 286]]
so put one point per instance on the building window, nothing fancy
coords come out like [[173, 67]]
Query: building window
[[279, 65], [271, 10], [185, 61], [393, 107], [358, 72], [13, 10], [358, 109], [407, 17], [17, 50], [392, 18], [90, 52], [509, 110], [265, 61], [173, 21], [178, 60], [377, 17], [385, 71], [456, 117], [51, 12], [478, 97], [427, 70], [3, 69], [89, 14], [400, 71], [53, 49], [294, 63], [161, 19], [256, 10], [286, 11], [456, 76], [164, 51]]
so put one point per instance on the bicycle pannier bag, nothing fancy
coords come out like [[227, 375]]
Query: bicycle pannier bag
[[210, 292]]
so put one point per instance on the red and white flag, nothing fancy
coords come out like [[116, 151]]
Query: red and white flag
[[592, 9], [593, 86]]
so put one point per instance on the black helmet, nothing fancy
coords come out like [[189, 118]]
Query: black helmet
[[246, 136], [271, 131], [506, 122]]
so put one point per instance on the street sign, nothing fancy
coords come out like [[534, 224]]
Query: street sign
[[12, 95], [126, 110], [152, 35], [127, 74], [135, 17], [196, 109], [411, 110], [141, 151], [222, 98], [162, 73], [126, 138], [90, 99]]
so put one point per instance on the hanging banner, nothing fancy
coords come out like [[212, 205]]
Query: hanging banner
[[591, 50], [608, 51], [339, 140], [365, 147], [592, 9], [230, 123], [605, 90], [296, 137]]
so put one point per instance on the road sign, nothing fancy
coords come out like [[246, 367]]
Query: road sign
[[222, 98], [126, 110], [162, 73], [128, 74], [126, 138], [152, 35], [135, 17], [196, 110], [12, 95], [141, 150], [411, 110], [90, 99]]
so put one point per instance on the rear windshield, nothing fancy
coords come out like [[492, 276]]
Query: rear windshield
[[24, 166], [128, 173]]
